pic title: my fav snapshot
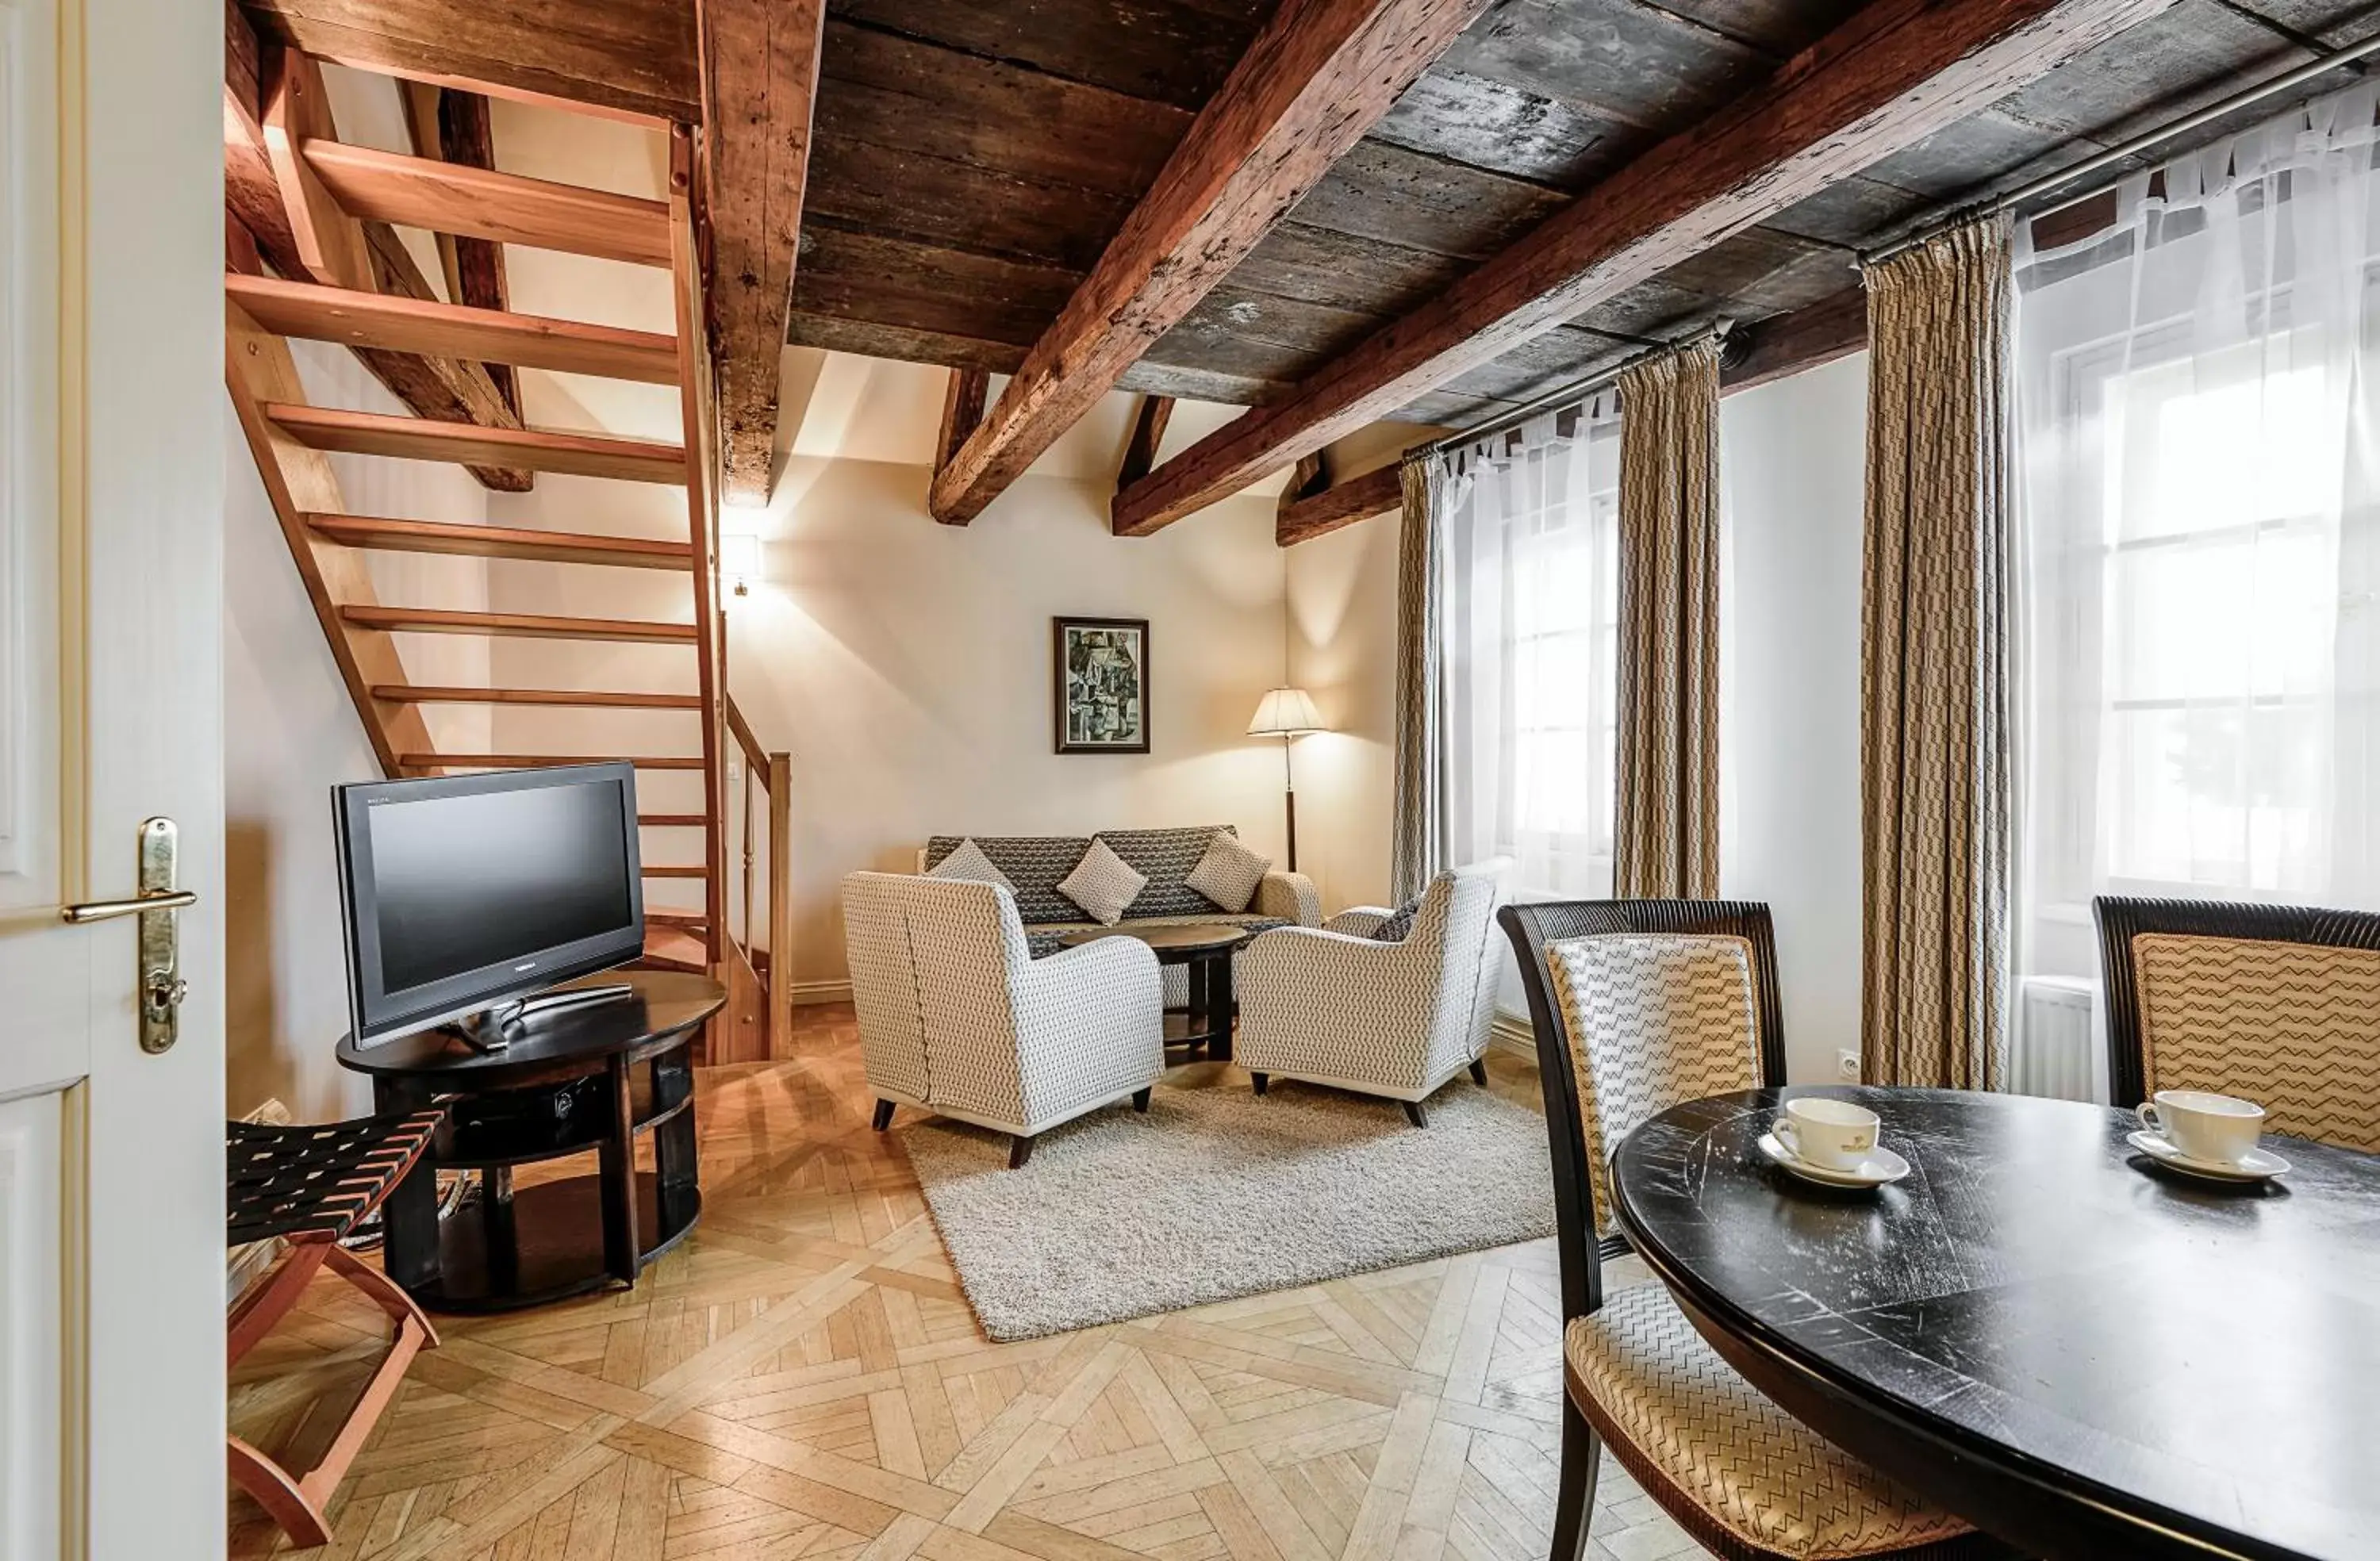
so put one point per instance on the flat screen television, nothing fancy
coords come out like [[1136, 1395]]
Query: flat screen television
[[465, 895]]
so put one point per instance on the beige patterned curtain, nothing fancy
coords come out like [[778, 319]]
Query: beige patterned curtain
[[1665, 830], [1417, 842], [1935, 674]]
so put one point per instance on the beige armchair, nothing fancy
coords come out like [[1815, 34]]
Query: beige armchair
[[956, 1017], [1332, 1006]]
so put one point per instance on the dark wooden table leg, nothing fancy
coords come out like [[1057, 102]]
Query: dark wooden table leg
[[1219, 999], [617, 1164], [1194, 1024], [410, 1213]]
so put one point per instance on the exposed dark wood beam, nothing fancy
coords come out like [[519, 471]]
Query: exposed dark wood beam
[[1820, 333], [447, 389], [962, 410], [627, 57], [1148, 437], [1896, 72], [760, 75], [1318, 76], [1344, 503], [453, 126]]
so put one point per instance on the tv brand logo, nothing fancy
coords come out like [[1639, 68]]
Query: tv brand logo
[[530, 965]]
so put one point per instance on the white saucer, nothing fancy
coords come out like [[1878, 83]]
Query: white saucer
[[2259, 1165], [1880, 1167]]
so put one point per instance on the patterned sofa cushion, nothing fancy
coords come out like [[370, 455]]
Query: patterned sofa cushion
[[1036, 864]]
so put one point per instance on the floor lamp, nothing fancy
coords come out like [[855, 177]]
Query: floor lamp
[[1287, 713]]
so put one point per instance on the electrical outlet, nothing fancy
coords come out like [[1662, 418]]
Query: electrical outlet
[[1847, 1065]]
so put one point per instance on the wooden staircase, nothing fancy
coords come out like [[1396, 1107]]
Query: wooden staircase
[[332, 261]]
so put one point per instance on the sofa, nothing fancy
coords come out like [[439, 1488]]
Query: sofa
[[1034, 865]]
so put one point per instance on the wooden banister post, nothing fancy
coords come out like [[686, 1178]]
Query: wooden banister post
[[781, 905]]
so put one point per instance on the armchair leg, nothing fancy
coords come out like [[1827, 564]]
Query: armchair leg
[[883, 1115], [1020, 1149], [1414, 1114], [1261, 1080], [1140, 1101], [1575, 1498], [1479, 1072]]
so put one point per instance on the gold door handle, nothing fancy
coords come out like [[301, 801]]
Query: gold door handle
[[155, 902], [108, 910]]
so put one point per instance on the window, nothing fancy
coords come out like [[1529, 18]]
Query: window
[[1530, 565]]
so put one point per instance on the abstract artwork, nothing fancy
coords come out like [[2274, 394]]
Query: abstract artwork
[[1101, 690]]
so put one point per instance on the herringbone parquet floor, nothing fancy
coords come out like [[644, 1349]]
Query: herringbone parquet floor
[[803, 1379]]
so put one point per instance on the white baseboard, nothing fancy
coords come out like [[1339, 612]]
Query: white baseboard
[[807, 993], [1514, 1034]]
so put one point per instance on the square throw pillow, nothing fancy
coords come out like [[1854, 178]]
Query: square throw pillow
[[1229, 873], [1102, 883], [1399, 926], [969, 865]]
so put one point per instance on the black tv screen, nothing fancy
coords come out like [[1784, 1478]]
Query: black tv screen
[[465, 891]]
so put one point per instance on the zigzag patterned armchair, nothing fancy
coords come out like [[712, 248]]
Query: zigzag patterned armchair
[[956, 1016], [1331, 1005], [1638, 1006]]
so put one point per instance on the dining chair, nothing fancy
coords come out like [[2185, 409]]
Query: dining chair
[[2277, 1004], [1639, 1005]]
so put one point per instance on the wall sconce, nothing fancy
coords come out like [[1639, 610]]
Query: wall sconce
[[739, 561]]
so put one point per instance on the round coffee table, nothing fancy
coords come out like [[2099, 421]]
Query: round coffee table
[[1206, 952]]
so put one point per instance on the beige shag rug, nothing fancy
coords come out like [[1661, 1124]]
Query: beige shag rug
[[1216, 1194]]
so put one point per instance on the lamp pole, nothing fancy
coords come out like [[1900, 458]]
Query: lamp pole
[[1289, 796]]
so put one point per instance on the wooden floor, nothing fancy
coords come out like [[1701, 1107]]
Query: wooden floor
[[802, 1379]]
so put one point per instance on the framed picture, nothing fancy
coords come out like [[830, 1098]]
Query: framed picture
[[1102, 693]]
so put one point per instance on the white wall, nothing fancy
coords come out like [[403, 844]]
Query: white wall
[[1792, 461], [291, 732]]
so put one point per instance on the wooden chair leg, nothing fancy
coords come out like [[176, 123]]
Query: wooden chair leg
[[1261, 1080], [883, 1115], [269, 1299], [1574, 1497], [1414, 1114], [1479, 1072], [385, 1293], [280, 1496], [1140, 1101], [1020, 1149]]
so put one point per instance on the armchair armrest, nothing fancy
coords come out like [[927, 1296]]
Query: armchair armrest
[[1289, 896], [1090, 1025], [1361, 921]]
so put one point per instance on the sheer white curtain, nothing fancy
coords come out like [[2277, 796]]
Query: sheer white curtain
[[1528, 565], [2196, 446]]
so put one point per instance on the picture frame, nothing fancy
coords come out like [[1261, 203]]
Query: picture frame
[[1100, 685]]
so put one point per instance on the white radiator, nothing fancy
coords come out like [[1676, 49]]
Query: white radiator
[[2057, 1049]]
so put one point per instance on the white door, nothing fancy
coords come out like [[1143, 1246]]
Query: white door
[[111, 524]]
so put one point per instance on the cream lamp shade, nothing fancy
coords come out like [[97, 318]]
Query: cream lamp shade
[[1285, 712]]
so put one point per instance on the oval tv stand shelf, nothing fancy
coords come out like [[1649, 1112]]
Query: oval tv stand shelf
[[575, 1079]]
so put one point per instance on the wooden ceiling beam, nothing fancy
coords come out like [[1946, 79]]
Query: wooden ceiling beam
[[1343, 503], [1314, 80], [631, 59], [962, 401], [453, 126], [1897, 71], [1148, 439], [1814, 334], [759, 78]]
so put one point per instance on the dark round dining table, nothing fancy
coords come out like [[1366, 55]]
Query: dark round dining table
[[2085, 1355]]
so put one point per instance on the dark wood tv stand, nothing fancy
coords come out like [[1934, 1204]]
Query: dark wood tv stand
[[569, 1080]]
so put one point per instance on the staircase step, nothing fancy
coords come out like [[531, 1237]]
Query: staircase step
[[524, 625], [410, 694], [482, 204], [540, 761], [672, 821], [674, 872], [669, 948], [405, 324], [499, 542], [473, 444], [692, 920]]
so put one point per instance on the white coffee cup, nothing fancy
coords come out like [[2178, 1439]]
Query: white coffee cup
[[2204, 1126], [1828, 1133]]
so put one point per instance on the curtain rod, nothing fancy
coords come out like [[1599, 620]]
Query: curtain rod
[[1577, 389], [1944, 220]]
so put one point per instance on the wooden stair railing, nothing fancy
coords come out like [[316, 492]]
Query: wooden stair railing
[[760, 975], [335, 198]]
